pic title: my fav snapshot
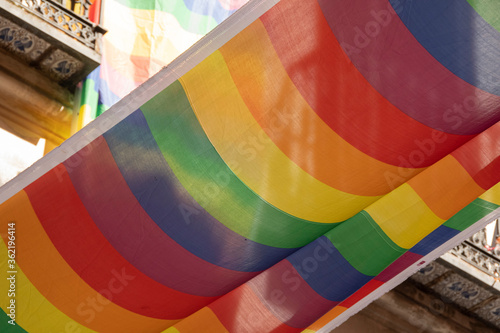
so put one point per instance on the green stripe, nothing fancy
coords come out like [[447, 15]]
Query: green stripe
[[469, 215], [489, 11], [90, 97], [364, 245], [100, 109], [368, 249], [5, 327], [189, 21], [202, 172]]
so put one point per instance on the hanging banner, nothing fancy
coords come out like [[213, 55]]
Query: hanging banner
[[298, 161]]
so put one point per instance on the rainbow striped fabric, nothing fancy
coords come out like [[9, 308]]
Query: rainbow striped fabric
[[144, 36], [298, 170]]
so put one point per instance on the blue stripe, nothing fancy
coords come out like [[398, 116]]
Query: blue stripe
[[166, 201], [435, 239], [209, 8], [322, 266], [106, 96]]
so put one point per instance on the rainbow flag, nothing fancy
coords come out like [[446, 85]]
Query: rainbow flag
[[143, 36], [300, 160]]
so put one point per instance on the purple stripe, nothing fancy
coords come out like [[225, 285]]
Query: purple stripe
[[132, 232], [399, 265], [392, 60]]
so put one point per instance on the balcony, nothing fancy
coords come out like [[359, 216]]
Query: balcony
[[60, 42], [468, 276], [482, 251], [46, 48]]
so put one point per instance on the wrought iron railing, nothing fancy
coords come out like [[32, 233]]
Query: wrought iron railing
[[71, 16]]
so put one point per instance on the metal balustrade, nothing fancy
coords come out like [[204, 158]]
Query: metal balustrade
[[71, 16]]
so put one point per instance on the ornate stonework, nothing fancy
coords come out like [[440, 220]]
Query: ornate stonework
[[461, 291], [429, 273], [21, 42], [490, 312], [478, 253], [45, 35], [60, 65], [470, 277]]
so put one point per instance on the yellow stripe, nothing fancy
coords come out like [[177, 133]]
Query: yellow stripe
[[307, 140], [263, 167], [140, 46], [404, 216], [84, 117], [34, 313], [492, 195]]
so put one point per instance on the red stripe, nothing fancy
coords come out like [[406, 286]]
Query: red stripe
[[484, 166], [92, 257], [241, 311], [361, 293], [402, 70], [288, 296], [120, 218], [342, 97]]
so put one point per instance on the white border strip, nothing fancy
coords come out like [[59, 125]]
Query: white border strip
[[401, 277], [181, 65]]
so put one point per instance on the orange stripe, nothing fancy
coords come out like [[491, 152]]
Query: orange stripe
[[203, 320], [135, 69], [286, 117], [327, 317], [59, 284], [445, 187], [34, 312]]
